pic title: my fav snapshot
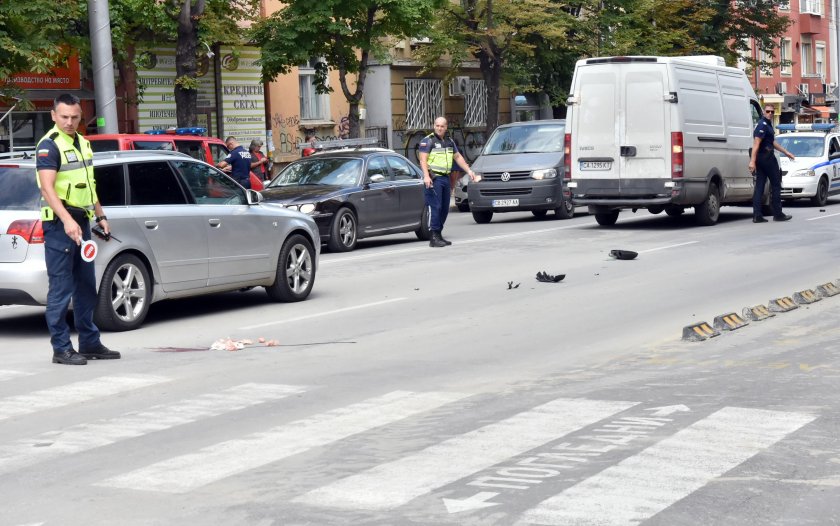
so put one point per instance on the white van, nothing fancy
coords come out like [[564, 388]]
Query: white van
[[662, 133]]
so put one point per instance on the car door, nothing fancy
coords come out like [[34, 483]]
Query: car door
[[173, 227], [380, 201], [238, 250], [409, 182], [834, 171], [193, 148]]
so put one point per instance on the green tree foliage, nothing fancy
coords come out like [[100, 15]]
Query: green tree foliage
[[503, 35], [345, 34], [684, 27], [37, 35]]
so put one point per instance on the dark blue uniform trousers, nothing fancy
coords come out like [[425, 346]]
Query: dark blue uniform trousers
[[437, 198], [69, 278], [767, 169]]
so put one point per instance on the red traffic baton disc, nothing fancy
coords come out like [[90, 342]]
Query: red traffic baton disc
[[89, 250]]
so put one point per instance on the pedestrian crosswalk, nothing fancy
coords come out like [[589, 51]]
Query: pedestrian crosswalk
[[668, 452]]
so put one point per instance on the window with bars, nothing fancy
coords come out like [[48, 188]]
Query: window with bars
[[423, 103], [475, 104]]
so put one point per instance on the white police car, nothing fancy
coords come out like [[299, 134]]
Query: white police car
[[815, 173]]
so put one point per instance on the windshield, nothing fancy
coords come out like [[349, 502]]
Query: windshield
[[20, 191], [802, 146], [341, 172], [530, 138]]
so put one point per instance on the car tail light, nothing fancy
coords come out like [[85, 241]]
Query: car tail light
[[567, 156], [677, 156], [31, 230]]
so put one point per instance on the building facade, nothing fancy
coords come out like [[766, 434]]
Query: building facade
[[804, 87]]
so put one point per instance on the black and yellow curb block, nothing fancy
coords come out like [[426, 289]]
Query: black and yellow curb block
[[782, 305], [729, 322], [826, 290], [757, 313], [804, 297], [699, 332]]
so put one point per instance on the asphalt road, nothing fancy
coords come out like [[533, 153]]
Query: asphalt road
[[416, 387]]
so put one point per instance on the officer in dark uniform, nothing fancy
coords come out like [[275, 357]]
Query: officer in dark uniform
[[765, 167], [438, 154], [239, 160], [64, 172]]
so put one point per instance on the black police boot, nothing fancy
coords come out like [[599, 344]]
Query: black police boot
[[445, 242], [782, 217], [69, 357], [436, 240], [99, 353], [759, 219]]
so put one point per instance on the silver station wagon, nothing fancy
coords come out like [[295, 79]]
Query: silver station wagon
[[184, 229]]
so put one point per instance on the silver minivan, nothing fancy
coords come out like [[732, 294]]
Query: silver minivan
[[521, 169]]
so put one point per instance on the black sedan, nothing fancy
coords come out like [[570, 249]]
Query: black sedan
[[354, 194]]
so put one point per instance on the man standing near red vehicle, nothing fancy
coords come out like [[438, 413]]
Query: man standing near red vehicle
[[64, 172]]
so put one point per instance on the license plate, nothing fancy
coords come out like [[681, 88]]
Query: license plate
[[505, 202], [595, 165]]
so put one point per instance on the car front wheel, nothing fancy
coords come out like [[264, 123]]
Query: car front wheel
[[566, 210], [482, 217], [295, 271], [124, 295], [344, 232], [821, 198]]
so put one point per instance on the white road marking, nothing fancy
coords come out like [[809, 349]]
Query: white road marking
[[667, 247], [213, 463], [641, 486], [319, 314], [822, 217], [8, 375], [391, 485], [84, 437], [74, 393]]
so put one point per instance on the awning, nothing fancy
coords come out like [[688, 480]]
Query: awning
[[825, 111]]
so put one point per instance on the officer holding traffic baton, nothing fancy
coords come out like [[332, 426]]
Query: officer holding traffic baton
[[64, 172], [438, 154]]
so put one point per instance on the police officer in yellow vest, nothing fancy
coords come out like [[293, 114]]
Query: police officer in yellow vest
[[437, 154], [64, 171]]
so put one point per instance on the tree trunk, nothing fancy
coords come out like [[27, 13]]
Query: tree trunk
[[186, 98], [128, 85], [491, 70]]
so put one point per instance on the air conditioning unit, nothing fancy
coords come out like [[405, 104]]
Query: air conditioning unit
[[828, 88], [459, 86], [803, 89], [781, 88]]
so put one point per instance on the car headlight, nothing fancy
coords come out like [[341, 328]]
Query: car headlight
[[307, 208], [548, 173], [803, 173]]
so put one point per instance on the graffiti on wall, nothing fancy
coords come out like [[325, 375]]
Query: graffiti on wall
[[288, 132], [469, 142]]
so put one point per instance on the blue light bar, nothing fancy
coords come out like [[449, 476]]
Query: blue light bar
[[823, 126], [192, 130]]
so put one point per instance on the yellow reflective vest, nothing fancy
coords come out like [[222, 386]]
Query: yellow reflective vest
[[74, 182], [442, 155]]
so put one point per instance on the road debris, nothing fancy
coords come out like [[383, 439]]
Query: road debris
[[229, 344], [623, 254], [544, 277], [512, 286]]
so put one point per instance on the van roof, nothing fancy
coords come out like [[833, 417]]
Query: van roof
[[709, 60]]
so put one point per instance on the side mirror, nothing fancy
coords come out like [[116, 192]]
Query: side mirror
[[253, 197], [378, 178]]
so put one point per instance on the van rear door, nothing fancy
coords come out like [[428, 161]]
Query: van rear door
[[622, 128]]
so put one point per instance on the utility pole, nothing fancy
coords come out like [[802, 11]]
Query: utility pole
[[103, 66], [836, 50]]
